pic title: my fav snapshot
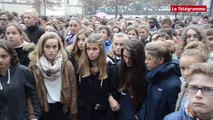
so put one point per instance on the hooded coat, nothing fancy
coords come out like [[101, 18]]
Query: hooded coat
[[163, 89], [16, 85], [23, 52]]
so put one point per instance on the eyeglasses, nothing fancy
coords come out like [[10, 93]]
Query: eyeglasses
[[205, 90], [3, 19], [191, 35]]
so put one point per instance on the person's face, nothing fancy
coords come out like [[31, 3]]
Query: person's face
[[5, 60], [211, 24], [152, 62], [4, 20], [210, 42], [151, 24], [74, 26], [103, 33], [115, 30], [123, 26], [205, 21], [132, 34], [201, 103], [81, 41], [14, 36], [143, 34], [61, 25], [166, 26], [185, 62], [97, 23], [117, 45], [191, 36], [51, 48], [29, 20], [49, 28], [127, 57], [178, 33], [93, 51]]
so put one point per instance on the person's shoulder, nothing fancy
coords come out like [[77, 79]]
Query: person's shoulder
[[28, 47], [174, 116], [67, 64], [21, 68], [179, 115]]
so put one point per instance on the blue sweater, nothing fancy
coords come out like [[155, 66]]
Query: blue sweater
[[108, 45], [179, 115], [163, 89]]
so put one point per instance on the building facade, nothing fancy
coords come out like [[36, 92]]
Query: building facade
[[66, 7]]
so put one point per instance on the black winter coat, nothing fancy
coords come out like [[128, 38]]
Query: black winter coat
[[16, 86], [93, 97], [34, 33]]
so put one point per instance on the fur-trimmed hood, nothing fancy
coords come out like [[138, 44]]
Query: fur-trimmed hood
[[29, 47], [32, 55]]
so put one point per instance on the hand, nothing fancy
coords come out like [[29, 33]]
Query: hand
[[113, 104]]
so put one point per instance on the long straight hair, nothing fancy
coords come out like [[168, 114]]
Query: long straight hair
[[133, 78], [39, 50], [76, 51], [85, 68]]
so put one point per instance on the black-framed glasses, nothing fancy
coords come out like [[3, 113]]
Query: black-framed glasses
[[205, 90]]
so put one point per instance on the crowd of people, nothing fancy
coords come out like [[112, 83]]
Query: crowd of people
[[77, 68]]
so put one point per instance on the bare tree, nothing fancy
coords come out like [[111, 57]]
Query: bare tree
[[92, 5], [46, 4]]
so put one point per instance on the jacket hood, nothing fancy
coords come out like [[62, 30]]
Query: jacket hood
[[163, 71], [32, 55], [9, 71], [29, 46]]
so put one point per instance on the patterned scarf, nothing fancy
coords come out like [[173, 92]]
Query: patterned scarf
[[50, 71]]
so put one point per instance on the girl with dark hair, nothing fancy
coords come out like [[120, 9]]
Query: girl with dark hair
[[132, 32], [78, 48], [16, 85], [106, 34], [131, 85], [115, 30]]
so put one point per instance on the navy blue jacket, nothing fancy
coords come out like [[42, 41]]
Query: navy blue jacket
[[179, 115], [163, 89]]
